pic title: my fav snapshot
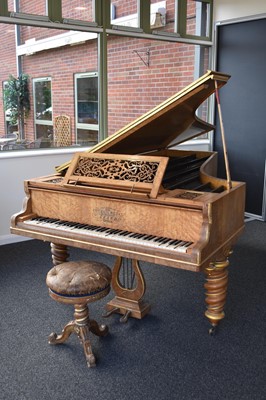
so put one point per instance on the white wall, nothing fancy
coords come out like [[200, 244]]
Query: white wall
[[14, 169], [227, 9]]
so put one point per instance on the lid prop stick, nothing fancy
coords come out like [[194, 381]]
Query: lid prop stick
[[228, 177]]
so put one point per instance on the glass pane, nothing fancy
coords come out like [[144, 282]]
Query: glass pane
[[33, 7], [124, 13], [43, 100], [87, 137], [134, 88], [10, 128], [7, 68], [87, 100], [198, 14], [44, 136], [32, 37], [162, 16], [202, 61], [81, 10]]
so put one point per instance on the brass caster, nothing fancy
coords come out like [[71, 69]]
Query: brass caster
[[213, 330], [91, 361]]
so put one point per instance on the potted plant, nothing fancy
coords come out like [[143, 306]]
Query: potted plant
[[17, 101]]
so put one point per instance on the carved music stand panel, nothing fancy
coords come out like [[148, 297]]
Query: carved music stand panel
[[125, 172]]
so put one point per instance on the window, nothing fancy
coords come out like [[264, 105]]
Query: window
[[142, 51], [43, 113], [9, 127], [86, 108], [195, 19]]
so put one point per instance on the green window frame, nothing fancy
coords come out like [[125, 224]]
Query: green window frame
[[203, 17]]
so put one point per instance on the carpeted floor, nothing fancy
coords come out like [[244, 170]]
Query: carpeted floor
[[166, 356]]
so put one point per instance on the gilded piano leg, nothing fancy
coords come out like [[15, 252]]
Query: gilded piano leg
[[128, 300], [216, 291], [59, 253]]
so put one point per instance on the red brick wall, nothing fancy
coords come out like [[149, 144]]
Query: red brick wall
[[134, 88]]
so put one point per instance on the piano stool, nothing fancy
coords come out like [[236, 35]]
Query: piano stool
[[79, 283]]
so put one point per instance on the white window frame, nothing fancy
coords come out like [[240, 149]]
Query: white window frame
[[80, 125]]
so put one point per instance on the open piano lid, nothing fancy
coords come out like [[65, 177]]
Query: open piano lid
[[171, 122], [168, 124]]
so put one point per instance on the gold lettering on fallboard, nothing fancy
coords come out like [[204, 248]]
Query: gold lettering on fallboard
[[107, 214]]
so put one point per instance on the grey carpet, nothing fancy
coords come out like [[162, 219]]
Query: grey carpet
[[167, 355]]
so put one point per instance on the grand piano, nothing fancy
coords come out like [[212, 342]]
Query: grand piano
[[137, 197]]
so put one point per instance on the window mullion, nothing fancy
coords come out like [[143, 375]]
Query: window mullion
[[54, 10], [144, 15], [4, 8]]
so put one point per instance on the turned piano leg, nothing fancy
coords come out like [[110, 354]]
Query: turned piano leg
[[216, 292], [129, 286], [59, 253]]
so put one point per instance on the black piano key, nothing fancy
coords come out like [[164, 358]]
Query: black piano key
[[165, 240]]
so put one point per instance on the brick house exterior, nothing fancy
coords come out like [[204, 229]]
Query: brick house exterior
[[133, 86]]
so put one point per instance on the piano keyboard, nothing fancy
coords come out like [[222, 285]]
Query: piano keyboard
[[111, 233]]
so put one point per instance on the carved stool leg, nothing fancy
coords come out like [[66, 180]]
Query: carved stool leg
[[59, 253], [216, 291], [66, 332], [83, 334], [101, 330], [82, 325], [82, 328]]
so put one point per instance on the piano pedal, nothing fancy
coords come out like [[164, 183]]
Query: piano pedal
[[111, 312], [125, 317]]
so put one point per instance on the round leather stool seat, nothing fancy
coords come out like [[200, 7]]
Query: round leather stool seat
[[76, 279], [79, 283]]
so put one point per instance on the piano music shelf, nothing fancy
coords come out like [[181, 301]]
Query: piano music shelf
[[125, 172]]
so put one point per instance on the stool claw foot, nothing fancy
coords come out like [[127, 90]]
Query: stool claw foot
[[125, 317], [111, 312], [66, 332], [99, 330], [52, 338]]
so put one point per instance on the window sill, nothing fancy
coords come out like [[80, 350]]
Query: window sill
[[40, 152]]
